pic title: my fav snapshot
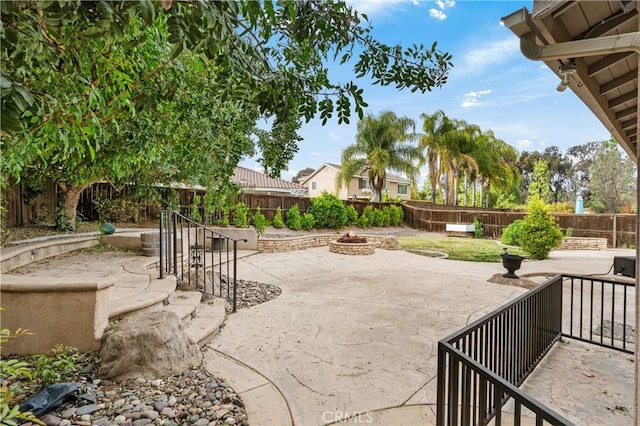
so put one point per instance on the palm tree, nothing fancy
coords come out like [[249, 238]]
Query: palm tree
[[382, 143], [446, 144], [496, 166]]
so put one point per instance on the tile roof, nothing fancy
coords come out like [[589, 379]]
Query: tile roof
[[253, 179]]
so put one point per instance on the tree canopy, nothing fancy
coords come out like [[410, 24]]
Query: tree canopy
[[142, 91]]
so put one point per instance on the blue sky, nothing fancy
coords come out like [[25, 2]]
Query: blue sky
[[491, 85]]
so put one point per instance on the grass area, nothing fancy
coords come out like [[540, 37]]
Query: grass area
[[469, 249]]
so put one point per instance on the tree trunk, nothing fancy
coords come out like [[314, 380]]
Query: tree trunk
[[466, 187], [488, 194], [473, 192], [71, 200]]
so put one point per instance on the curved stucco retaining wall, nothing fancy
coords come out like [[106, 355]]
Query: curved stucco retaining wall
[[72, 311]]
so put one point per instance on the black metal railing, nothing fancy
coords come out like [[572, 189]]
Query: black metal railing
[[481, 366], [198, 256], [599, 311]]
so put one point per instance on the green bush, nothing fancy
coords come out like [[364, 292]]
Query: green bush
[[308, 221], [195, 209], [352, 215], [367, 218], [116, 210], [478, 229], [328, 211], [260, 222], [277, 219], [511, 235], [241, 215], [568, 232], [396, 214], [294, 220], [384, 217], [539, 233]]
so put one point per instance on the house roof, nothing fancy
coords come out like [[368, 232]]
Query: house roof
[[390, 176], [256, 180], [593, 47]]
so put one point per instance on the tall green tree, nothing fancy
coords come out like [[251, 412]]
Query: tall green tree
[[80, 80], [539, 187], [611, 179], [383, 143], [581, 158]]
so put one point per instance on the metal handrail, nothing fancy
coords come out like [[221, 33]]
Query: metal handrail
[[481, 365], [188, 250]]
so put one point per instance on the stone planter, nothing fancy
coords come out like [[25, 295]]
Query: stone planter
[[357, 249]]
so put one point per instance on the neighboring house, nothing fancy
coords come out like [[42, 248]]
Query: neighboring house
[[259, 183], [324, 179]]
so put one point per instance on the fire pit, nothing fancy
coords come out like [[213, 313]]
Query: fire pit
[[352, 244], [511, 263]]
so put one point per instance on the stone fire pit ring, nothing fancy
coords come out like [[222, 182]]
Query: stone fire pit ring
[[354, 249]]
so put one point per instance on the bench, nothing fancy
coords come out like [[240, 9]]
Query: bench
[[460, 229]]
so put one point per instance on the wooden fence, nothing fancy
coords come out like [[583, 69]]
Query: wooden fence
[[24, 209], [618, 229]]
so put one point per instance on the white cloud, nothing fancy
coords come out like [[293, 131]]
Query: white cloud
[[472, 99], [492, 54], [443, 4], [524, 143], [334, 136], [438, 14]]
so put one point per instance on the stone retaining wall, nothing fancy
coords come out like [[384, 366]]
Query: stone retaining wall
[[279, 245], [583, 243], [355, 249]]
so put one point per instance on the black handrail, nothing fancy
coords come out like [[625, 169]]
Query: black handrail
[[481, 366], [198, 256]]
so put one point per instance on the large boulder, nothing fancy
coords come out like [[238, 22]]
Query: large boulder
[[148, 345]]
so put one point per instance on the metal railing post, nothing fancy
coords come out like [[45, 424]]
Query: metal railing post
[[235, 271], [162, 219]]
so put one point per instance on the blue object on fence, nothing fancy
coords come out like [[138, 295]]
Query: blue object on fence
[[579, 205]]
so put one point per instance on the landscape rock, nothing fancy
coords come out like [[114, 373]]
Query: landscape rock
[[147, 345], [390, 243]]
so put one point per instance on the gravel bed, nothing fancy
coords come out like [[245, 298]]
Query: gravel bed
[[193, 398]]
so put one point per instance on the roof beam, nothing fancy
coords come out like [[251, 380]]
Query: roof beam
[[627, 112], [607, 25], [607, 61], [623, 98], [617, 82], [628, 124], [562, 9]]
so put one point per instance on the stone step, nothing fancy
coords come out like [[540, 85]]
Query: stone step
[[207, 322], [184, 303]]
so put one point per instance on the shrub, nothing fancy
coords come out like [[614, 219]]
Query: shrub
[[367, 218], [328, 211], [396, 214], [294, 220], [241, 215], [173, 200], [478, 229], [568, 232], [308, 221], [260, 222], [384, 217], [116, 210], [277, 219], [56, 368], [511, 235], [562, 207], [352, 214], [195, 209], [539, 233]]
